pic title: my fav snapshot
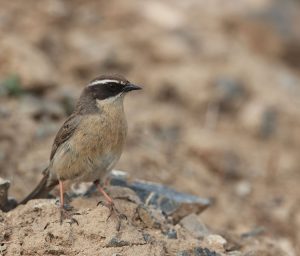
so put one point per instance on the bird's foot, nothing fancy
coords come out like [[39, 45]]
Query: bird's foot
[[113, 211], [66, 213]]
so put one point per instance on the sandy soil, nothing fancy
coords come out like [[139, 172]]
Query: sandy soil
[[219, 115]]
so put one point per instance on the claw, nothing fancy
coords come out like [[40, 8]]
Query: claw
[[72, 221], [114, 211], [66, 214], [101, 203], [111, 206], [123, 216]]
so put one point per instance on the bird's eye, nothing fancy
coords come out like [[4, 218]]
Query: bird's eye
[[113, 86]]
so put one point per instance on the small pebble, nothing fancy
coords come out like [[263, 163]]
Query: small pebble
[[171, 234], [243, 188], [198, 251], [147, 237], [215, 241], [183, 253], [115, 242]]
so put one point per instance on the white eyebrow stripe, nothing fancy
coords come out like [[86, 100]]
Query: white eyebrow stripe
[[104, 81]]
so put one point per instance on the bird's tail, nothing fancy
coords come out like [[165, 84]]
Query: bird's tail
[[42, 189]]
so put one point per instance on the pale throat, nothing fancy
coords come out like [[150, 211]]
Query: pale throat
[[111, 103]]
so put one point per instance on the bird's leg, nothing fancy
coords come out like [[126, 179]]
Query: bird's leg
[[106, 182], [64, 209], [111, 206], [61, 193]]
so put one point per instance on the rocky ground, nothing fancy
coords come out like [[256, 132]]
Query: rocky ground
[[219, 116], [36, 229]]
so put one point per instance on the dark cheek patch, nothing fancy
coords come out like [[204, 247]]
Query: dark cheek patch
[[105, 91]]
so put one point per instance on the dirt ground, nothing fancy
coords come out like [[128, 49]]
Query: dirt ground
[[218, 117]]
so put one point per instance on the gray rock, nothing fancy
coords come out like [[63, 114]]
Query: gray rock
[[172, 203], [194, 226], [199, 251], [115, 242], [171, 234], [6, 203]]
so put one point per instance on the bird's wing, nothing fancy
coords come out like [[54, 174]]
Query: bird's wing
[[65, 132], [47, 183]]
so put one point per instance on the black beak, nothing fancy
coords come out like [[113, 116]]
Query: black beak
[[131, 87]]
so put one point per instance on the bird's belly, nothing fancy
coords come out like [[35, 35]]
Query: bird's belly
[[99, 167], [84, 165], [90, 154]]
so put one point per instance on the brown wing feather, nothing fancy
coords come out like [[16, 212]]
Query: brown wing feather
[[65, 132], [46, 185]]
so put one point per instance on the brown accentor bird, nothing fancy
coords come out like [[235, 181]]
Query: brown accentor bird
[[91, 140]]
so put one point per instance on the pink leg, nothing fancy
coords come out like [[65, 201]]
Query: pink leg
[[111, 206], [107, 197], [101, 190], [61, 193], [63, 213]]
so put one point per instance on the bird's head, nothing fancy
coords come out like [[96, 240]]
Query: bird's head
[[109, 87], [106, 90]]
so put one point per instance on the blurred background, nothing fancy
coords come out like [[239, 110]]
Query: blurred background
[[219, 115]]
